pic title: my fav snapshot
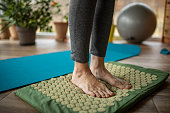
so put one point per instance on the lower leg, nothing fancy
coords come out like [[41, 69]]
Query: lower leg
[[101, 27], [99, 71], [98, 43]]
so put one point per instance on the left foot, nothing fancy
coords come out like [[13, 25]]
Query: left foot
[[103, 74], [99, 71]]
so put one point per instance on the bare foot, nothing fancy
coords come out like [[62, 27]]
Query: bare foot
[[99, 71], [105, 75], [84, 79]]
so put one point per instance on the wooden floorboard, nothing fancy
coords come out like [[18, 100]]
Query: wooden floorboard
[[150, 57], [13, 104], [145, 106], [164, 90], [162, 103], [3, 95]]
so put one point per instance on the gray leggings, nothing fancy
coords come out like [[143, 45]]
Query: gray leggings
[[89, 24]]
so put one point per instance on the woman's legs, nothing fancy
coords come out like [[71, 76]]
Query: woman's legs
[[89, 18], [81, 14], [99, 41]]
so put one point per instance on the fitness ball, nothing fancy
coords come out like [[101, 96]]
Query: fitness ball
[[136, 22]]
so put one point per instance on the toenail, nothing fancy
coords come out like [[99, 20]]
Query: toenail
[[111, 94]]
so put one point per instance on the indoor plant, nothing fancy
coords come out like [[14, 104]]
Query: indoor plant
[[61, 26], [27, 15]]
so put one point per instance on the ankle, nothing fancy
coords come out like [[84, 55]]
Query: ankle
[[81, 69], [96, 62]]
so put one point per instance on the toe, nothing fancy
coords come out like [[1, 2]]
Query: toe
[[128, 86], [101, 94], [119, 85], [109, 92], [106, 94], [124, 82], [91, 93], [97, 94]]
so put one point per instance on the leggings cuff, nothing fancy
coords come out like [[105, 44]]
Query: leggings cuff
[[79, 59], [97, 54]]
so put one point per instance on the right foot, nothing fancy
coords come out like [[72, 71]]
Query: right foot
[[84, 79]]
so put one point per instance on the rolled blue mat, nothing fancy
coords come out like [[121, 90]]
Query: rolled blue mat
[[165, 51]]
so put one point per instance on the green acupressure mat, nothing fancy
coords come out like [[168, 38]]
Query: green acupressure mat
[[59, 95]]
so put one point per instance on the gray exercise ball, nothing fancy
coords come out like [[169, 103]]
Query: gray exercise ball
[[136, 22]]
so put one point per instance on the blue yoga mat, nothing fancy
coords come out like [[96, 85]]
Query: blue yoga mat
[[22, 71]]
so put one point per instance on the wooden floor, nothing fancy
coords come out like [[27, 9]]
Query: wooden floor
[[150, 57]]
